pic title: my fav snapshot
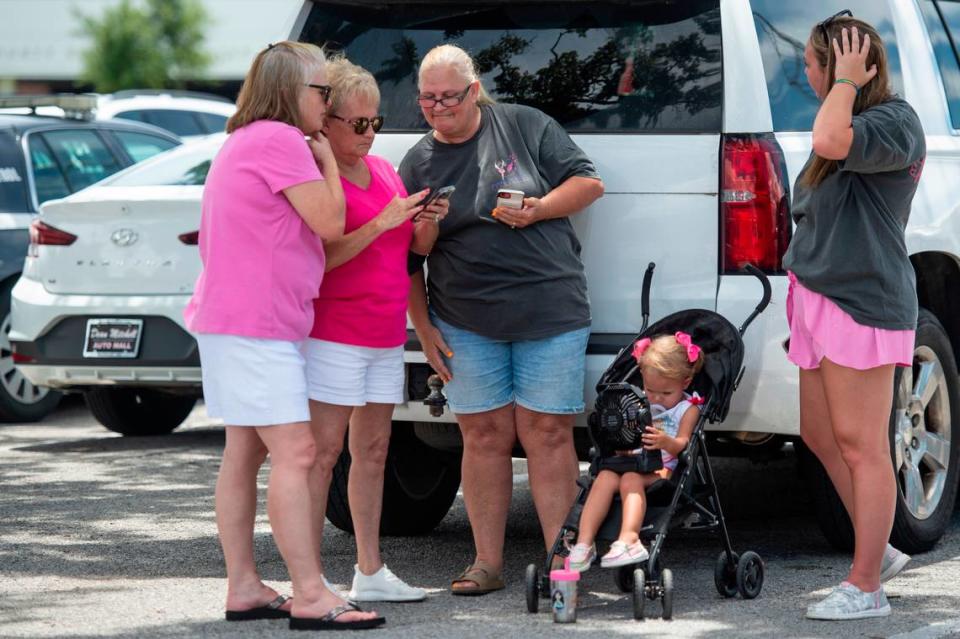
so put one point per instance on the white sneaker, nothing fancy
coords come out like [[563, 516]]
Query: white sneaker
[[893, 562], [582, 556], [383, 585], [624, 554], [849, 602]]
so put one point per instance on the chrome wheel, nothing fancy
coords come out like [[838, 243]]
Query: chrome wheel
[[16, 385], [922, 432]]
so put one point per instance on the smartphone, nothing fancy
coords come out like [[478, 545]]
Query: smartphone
[[510, 199], [443, 193], [507, 198]]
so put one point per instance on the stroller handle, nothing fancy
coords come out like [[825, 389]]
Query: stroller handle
[[764, 301], [645, 294]]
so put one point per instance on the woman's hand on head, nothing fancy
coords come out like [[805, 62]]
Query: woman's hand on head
[[400, 210], [434, 348], [532, 212], [851, 55]]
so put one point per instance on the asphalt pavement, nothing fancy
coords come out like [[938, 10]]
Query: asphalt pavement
[[104, 536]]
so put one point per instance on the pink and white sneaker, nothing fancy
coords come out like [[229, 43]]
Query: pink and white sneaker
[[582, 556], [624, 554]]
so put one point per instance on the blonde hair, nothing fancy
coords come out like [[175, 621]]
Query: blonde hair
[[349, 80], [669, 357], [450, 55], [271, 90], [874, 92]]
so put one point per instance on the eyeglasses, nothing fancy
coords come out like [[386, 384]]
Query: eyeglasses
[[448, 100], [360, 125], [324, 89], [823, 26]]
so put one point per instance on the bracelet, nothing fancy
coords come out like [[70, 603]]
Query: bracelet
[[850, 82]]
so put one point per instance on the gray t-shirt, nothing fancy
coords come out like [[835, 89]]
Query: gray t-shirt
[[849, 243], [483, 276]]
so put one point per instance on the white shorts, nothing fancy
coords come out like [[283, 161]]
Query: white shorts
[[348, 375], [249, 381]]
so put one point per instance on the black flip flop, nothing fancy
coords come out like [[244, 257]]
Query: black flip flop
[[271, 610], [327, 622]]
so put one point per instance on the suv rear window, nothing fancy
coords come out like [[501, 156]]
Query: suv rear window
[[783, 29], [594, 66], [13, 179]]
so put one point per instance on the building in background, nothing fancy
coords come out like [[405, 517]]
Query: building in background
[[41, 42]]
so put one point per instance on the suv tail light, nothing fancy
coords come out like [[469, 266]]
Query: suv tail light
[[190, 239], [42, 233], [754, 203]]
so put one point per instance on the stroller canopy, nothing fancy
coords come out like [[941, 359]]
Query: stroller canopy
[[722, 346]]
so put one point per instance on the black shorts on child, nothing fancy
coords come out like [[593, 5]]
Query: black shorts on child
[[646, 461]]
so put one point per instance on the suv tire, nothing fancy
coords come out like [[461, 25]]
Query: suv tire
[[138, 411], [419, 486], [924, 443], [20, 400]]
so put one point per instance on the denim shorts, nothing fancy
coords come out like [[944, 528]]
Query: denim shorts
[[543, 375]]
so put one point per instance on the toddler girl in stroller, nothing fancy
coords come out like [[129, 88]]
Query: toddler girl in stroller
[[711, 352], [667, 365]]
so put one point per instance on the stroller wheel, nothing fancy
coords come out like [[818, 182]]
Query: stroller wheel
[[749, 575], [624, 578], [725, 575], [666, 596], [639, 593], [533, 588]]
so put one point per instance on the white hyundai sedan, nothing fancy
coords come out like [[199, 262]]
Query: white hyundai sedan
[[98, 308]]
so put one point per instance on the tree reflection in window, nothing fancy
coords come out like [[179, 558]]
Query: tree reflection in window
[[592, 66]]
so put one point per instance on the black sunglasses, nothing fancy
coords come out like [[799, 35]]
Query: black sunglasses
[[360, 125], [823, 26], [324, 89]]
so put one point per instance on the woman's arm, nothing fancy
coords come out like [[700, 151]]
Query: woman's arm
[[427, 227], [320, 202], [832, 128], [345, 248], [572, 196], [429, 335]]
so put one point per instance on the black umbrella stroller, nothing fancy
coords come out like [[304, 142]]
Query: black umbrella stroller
[[689, 498]]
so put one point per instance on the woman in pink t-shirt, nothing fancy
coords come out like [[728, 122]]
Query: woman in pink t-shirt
[[355, 350], [266, 207]]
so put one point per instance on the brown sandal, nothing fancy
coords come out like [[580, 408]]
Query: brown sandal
[[482, 575]]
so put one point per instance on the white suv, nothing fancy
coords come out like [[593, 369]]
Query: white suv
[[698, 117]]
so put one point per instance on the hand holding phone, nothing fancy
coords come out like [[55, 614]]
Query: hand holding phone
[[440, 194], [434, 197]]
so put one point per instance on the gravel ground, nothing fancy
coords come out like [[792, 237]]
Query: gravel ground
[[103, 536]]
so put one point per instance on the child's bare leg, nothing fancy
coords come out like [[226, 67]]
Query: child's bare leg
[[597, 505], [634, 497]]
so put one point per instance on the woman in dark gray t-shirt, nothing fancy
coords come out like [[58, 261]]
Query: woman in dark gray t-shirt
[[852, 304], [508, 316]]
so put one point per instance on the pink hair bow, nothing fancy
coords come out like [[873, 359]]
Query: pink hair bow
[[640, 346], [693, 351]]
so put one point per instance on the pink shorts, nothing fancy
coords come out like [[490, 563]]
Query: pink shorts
[[819, 328]]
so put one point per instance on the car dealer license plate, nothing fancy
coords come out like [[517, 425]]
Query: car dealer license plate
[[112, 337]]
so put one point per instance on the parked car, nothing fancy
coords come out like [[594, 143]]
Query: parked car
[[99, 307], [698, 117], [189, 114], [43, 158]]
